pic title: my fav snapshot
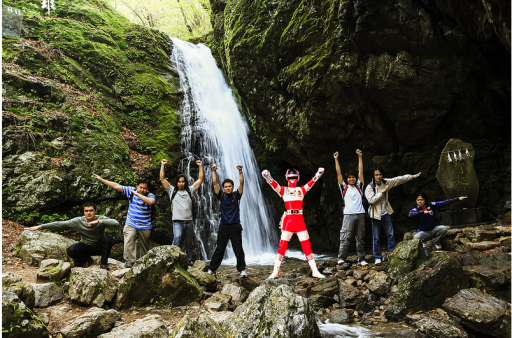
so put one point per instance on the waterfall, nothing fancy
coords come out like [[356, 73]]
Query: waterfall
[[214, 132]]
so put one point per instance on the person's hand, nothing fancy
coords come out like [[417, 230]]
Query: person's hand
[[321, 170], [417, 175], [384, 189], [96, 177], [428, 212], [462, 198], [199, 163], [336, 155], [359, 153], [33, 228], [93, 222], [239, 167], [265, 173], [214, 168], [164, 162]]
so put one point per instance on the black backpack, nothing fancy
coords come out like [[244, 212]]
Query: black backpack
[[364, 201], [190, 195], [151, 208]]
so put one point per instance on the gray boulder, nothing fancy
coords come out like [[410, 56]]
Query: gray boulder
[[25, 292], [91, 286], [37, 246], [150, 326], [379, 287], [9, 278], [318, 301], [273, 312], [327, 287], [436, 326], [480, 312], [407, 256], [349, 295], [342, 316], [218, 302], [53, 269], [199, 327], [112, 263], [161, 273], [237, 293], [204, 279], [47, 294], [92, 324], [19, 321]]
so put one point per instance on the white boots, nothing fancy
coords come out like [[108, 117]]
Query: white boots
[[277, 272], [314, 269]]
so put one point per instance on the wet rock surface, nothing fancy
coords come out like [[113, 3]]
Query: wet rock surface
[[436, 326]]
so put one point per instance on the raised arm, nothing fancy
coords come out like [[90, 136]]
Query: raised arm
[[306, 187], [438, 205], [60, 225], [216, 186], [338, 169], [200, 179], [277, 188], [360, 167], [114, 185], [164, 182], [395, 181], [241, 178]]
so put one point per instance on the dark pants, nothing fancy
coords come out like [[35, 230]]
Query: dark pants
[[187, 227], [352, 224], [81, 252], [386, 223], [228, 232]]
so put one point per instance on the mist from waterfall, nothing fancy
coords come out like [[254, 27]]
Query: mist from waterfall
[[214, 132]]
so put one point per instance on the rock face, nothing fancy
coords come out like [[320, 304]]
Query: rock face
[[91, 286], [150, 326], [312, 75], [53, 269], [273, 312], [436, 326], [161, 273], [37, 246], [427, 287], [47, 294], [199, 327], [19, 320], [480, 312], [408, 255], [91, 325]]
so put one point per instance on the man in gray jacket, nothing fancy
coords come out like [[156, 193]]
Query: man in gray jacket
[[380, 210], [93, 240]]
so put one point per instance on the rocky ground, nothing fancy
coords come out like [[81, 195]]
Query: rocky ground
[[410, 295]]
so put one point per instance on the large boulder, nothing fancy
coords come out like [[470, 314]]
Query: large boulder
[[53, 269], [408, 256], [37, 246], [218, 302], [19, 321], [199, 327], [47, 294], [436, 326], [349, 295], [25, 292], [91, 325], [379, 287], [481, 312], [161, 273], [318, 301], [327, 287], [150, 326], [273, 312], [427, 287], [91, 286], [237, 293]]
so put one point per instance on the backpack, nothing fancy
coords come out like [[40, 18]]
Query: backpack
[[190, 195], [364, 201], [151, 208]]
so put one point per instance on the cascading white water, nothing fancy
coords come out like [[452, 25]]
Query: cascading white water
[[214, 132]]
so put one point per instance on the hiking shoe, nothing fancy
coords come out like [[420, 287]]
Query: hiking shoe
[[128, 265], [378, 261], [104, 267], [438, 247], [341, 261], [243, 274], [210, 272], [363, 263]]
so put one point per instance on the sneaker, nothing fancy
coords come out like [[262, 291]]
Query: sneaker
[[210, 272], [243, 274], [425, 249], [128, 265], [104, 267], [363, 263], [438, 247], [341, 261], [378, 261]]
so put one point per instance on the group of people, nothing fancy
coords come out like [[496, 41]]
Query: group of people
[[357, 200]]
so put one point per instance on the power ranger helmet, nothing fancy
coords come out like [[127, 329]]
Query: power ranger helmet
[[292, 174]]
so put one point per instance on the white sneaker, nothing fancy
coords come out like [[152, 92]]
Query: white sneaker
[[439, 247], [340, 261], [363, 263], [243, 274], [378, 262], [210, 272]]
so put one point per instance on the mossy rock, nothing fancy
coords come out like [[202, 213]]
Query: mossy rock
[[18, 320], [407, 256], [199, 327]]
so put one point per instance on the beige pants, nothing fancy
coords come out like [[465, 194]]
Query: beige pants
[[130, 246]]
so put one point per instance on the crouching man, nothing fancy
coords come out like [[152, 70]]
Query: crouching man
[[93, 240]]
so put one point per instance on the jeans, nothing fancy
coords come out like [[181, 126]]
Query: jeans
[[385, 222], [130, 246], [81, 252], [352, 224], [178, 228], [228, 232], [436, 234]]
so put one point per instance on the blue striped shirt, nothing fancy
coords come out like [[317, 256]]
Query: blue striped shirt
[[139, 214]]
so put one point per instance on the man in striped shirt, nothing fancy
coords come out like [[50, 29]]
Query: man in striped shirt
[[138, 221]]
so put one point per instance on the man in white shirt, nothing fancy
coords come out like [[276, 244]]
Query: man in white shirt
[[181, 206], [353, 213]]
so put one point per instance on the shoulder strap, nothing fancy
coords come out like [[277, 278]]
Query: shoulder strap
[[359, 189], [189, 194], [174, 194], [345, 190]]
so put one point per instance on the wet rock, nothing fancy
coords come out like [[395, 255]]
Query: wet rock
[[408, 256], [327, 287], [505, 241], [218, 302], [199, 327], [342, 316], [436, 326], [427, 287], [404, 333], [209, 282], [343, 266], [379, 287], [479, 234], [150, 326], [25, 293], [329, 271], [319, 301], [9, 278], [91, 324], [366, 306], [480, 312], [18, 320], [53, 269], [237, 293], [349, 295], [490, 278], [359, 274], [162, 273], [47, 294], [249, 283], [273, 312], [91, 286], [481, 246], [37, 246]]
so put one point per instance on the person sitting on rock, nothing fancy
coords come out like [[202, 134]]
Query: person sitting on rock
[[292, 220], [181, 206], [138, 221], [93, 240], [380, 210], [427, 226], [230, 228], [353, 213]]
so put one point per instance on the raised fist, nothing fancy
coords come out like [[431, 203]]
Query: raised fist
[[265, 173], [239, 167], [359, 153], [336, 155], [199, 163], [321, 170], [214, 168], [164, 162]]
